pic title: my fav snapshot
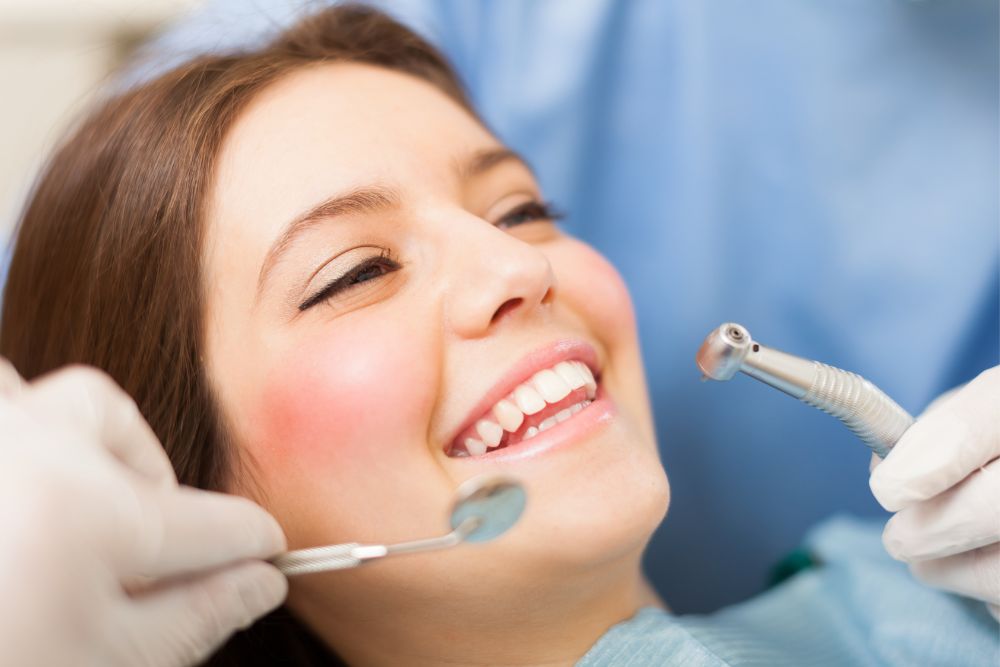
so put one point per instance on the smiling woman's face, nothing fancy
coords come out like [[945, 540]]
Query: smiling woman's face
[[358, 350]]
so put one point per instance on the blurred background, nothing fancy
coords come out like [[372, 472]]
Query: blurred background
[[53, 55]]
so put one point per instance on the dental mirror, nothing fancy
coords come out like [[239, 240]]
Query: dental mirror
[[484, 508], [494, 501]]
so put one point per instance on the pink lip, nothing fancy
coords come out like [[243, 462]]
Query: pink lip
[[544, 357]]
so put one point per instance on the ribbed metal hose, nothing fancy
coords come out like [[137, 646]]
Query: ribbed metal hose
[[863, 407]]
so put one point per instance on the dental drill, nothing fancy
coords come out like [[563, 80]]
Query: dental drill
[[863, 407]]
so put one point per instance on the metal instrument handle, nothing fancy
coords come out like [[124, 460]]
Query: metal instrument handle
[[353, 554]]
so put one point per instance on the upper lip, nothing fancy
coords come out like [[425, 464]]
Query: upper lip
[[543, 357]]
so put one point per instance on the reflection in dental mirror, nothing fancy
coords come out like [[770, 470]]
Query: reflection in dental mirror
[[493, 503], [485, 507]]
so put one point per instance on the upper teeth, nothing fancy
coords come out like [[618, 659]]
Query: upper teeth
[[547, 386]]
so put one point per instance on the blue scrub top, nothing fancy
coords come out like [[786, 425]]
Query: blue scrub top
[[824, 172]]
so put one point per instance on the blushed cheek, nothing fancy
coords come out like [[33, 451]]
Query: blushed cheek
[[338, 403], [596, 290]]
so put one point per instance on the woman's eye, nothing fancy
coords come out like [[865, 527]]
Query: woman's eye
[[368, 270], [369, 273], [532, 211]]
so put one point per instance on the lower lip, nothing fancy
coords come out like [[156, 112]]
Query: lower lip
[[587, 422]]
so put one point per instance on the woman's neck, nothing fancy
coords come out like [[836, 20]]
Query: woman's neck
[[519, 627]]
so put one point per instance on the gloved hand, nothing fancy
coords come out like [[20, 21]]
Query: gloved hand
[[104, 558], [943, 481]]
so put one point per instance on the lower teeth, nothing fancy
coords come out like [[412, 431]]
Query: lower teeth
[[552, 421], [545, 425]]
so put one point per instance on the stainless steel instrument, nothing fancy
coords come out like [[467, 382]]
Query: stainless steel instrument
[[863, 407], [484, 508]]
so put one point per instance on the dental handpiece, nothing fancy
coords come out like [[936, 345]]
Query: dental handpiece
[[863, 407]]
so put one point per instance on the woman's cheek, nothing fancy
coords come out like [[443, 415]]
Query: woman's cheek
[[595, 288], [341, 399], [597, 292]]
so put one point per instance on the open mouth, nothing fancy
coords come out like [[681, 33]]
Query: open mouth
[[551, 396]]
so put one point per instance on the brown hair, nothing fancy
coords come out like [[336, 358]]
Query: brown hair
[[106, 268]]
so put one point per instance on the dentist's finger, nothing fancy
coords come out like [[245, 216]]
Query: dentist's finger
[[10, 380], [94, 406], [201, 530], [934, 406], [974, 574], [943, 447], [185, 622], [962, 518]]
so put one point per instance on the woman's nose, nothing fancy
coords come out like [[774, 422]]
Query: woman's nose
[[502, 278]]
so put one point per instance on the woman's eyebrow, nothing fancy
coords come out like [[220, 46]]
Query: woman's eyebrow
[[484, 160], [370, 199]]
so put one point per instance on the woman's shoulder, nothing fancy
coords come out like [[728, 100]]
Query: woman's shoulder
[[855, 605]]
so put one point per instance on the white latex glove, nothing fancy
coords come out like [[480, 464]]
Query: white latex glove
[[943, 481], [104, 558]]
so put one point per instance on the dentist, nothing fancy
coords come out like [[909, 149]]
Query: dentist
[[104, 558]]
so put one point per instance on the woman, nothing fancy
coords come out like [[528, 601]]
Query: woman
[[329, 288]]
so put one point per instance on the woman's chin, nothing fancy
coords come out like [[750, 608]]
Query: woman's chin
[[597, 503], [595, 519]]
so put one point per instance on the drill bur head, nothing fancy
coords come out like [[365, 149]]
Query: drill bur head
[[721, 355]]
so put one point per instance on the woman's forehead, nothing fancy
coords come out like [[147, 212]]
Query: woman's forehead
[[344, 124]]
